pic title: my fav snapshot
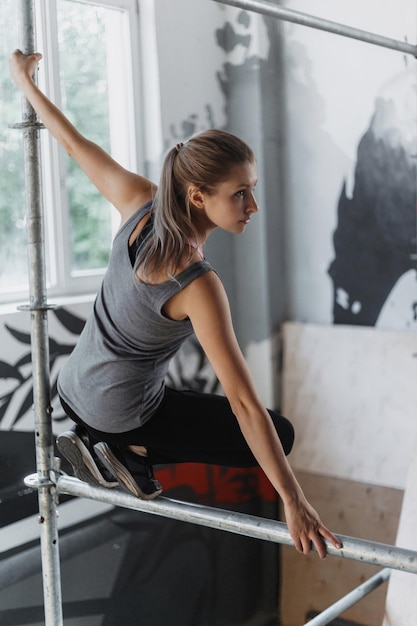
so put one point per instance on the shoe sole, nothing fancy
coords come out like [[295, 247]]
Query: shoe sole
[[124, 477], [83, 464]]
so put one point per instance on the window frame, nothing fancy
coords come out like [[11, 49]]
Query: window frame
[[126, 112]]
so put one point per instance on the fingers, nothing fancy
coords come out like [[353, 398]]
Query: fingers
[[307, 530], [325, 532], [22, 66], [35, 56], [304, 544], [319, 543], [320, 546], [17, 57]]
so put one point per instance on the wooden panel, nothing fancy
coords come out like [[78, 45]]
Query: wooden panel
[[349, 508], [351, 394]]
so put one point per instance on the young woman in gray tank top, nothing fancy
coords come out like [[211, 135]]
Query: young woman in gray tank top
[[159, 289]]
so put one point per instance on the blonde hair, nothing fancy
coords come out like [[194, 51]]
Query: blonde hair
[[204, 161]]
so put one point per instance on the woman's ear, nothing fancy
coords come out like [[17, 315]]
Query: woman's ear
[[196, 196]]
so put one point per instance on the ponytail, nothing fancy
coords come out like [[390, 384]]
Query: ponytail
[[205, 161]]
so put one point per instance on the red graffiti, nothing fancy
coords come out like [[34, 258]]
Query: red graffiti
[[213, 484]]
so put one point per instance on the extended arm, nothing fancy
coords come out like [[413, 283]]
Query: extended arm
[[125, 190], [206, 304]]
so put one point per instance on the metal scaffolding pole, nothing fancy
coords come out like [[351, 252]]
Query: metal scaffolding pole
[[238, 523], [296, 17], [342, 605], [39, 340]]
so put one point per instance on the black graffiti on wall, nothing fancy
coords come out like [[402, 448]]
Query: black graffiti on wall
[[375, 238], [18, 374]]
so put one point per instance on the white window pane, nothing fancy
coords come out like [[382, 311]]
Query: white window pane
[[84, 89], [13, 254]]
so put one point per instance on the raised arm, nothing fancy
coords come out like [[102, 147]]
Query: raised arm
[[125, 190], [205, 302]]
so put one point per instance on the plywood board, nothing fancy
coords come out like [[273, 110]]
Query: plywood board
[[351, 393], [349, 508]]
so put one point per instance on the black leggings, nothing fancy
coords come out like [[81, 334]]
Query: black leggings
[[192, 427]]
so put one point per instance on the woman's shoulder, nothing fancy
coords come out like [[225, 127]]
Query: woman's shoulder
[[190, 266], [189, 283]]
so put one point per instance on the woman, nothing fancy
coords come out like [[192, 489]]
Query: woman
[[158, 289]]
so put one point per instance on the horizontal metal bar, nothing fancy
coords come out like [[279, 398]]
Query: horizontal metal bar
[[25, 125], [296, 17], [238, 523], [342, 605], [41, 307]]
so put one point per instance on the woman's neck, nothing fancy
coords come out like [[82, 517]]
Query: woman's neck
[[196, 246]]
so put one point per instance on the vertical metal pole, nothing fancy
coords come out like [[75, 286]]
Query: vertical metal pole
[[39, 336]]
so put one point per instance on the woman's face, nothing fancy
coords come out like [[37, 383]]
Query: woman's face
[[232, 204]]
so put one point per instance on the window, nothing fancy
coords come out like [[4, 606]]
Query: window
[[12, 223], [90, 50]]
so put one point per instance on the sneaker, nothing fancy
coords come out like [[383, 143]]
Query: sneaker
[[75, 446], [133, 472]]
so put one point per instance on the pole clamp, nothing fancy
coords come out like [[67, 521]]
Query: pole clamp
[[35, 307], [24, 125]]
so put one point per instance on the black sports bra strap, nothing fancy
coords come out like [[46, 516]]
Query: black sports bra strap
[[135, 246]]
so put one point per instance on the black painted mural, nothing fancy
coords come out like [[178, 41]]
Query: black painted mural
[[375, 238], [17, 373]]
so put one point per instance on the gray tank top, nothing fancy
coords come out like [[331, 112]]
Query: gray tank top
[[115, 377]]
